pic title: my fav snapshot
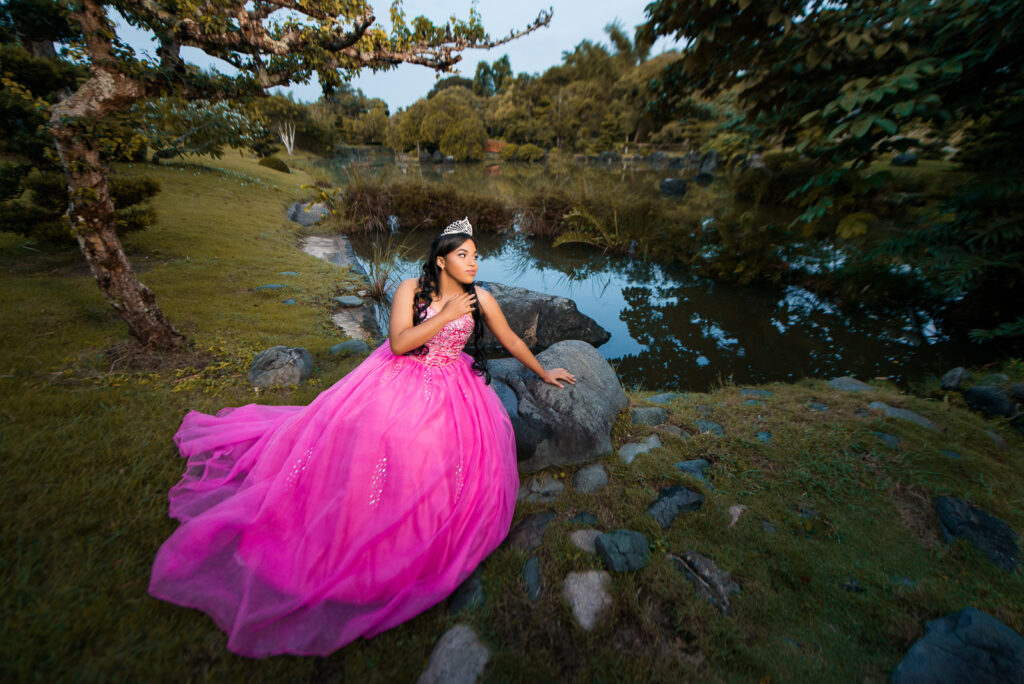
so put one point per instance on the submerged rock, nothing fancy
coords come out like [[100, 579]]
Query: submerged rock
[[554, 426]]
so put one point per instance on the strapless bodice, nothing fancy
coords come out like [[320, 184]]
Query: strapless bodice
[[447, 344]]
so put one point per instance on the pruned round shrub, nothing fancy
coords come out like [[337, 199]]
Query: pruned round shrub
[[275, 163], [508, 152]]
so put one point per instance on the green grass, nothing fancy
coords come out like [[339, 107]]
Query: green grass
[[88, 460]]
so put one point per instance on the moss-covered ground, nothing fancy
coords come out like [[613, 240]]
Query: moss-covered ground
[[87, 459]]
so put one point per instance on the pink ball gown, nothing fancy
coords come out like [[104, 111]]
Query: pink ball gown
[[304, 527]]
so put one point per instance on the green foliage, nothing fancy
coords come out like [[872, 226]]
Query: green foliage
[[449, 122], [450, 82], [529, 153], [174, 127], [587, 229], [275, 163], [509, 151]]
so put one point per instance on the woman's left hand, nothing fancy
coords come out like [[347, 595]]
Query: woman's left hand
[[553, 376]]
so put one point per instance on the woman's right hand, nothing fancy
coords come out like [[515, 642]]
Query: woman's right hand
[[458, 306]]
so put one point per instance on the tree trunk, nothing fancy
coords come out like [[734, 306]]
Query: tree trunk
[[91, 209]]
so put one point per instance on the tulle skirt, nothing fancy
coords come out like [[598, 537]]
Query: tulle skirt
[[304, 527]]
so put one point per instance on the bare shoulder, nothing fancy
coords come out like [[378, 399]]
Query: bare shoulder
[[488, 304]]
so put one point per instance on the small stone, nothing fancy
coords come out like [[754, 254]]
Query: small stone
[[587, 596], [709, 427], [995, 379], [675, 431], [735, 512], [280, 366], [712, 583], [754, 402], [468, 595], [458, 658], [288, 301], [288, 273], [952, 454], [649, 415], [584, 539], [764, 436], [270, 286], [815, 406], [953, 379], [590, 479], [848, 384], [531, 577], [854, 586], [666, 398], [902, 414], [767, 527], [1016, 391], [987, 533], [351, 347], [349, 301], [584, 518], [997, 439], [629, 452], [529, 534], [622, 550], [756, 393], [992, 401], [671, 502], [695, 468], [908, 583], [969, 646], [891, 441], [862, 413], [543, 488]]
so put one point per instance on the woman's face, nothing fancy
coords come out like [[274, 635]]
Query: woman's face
[[460, 263]]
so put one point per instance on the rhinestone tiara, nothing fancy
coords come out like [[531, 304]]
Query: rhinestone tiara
[[462, 226]]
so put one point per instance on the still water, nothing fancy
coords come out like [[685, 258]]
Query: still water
[[671, 329]]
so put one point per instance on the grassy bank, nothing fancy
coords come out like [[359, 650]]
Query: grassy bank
[[86, 445]]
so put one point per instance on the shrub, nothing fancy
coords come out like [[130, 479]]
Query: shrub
[[508, 152], [530, 153], [275, 163]]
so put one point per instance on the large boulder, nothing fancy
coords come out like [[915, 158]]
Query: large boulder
[[280, 366], [555, 426], [541, 319], [969, 646]]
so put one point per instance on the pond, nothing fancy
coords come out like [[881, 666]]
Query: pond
[[673, 330]]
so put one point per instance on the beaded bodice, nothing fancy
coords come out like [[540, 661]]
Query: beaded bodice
[[447, 344]]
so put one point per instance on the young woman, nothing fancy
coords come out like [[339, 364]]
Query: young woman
[[305, 527]]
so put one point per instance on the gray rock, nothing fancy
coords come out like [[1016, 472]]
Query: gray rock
[[902, 414], [763, 436], [673, 187], [629, 452], [891, 441], [458, 658], [987, 533], [709, 426], [904, 159], [584, 518], [270, 286], [848, 384], [997, 440], [969, 646], [351, 347], [334, 249], [990, 400], [1016, 391], [666, 398], [649, 415], [815, 406], [572, 424], [468, 595], [288, 273], [712, 583], [529, 533], [590, 479], [540, 489], [307, 213], [288, 302], [952, 454], [349, 300], [694, 468], [995, 379], [622, 550], [953, 379], [541, 319], [584, 539], [671, 502], [587, 596], [280, 366], [754, 402], [756, 393], [767, 527], [675, 431], [531, 577]]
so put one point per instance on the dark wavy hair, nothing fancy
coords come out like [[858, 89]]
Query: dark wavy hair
[[429, 285]]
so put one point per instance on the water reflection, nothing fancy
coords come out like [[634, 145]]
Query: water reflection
[[671, 329]]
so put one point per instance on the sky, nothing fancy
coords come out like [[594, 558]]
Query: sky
[[572, 22]]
